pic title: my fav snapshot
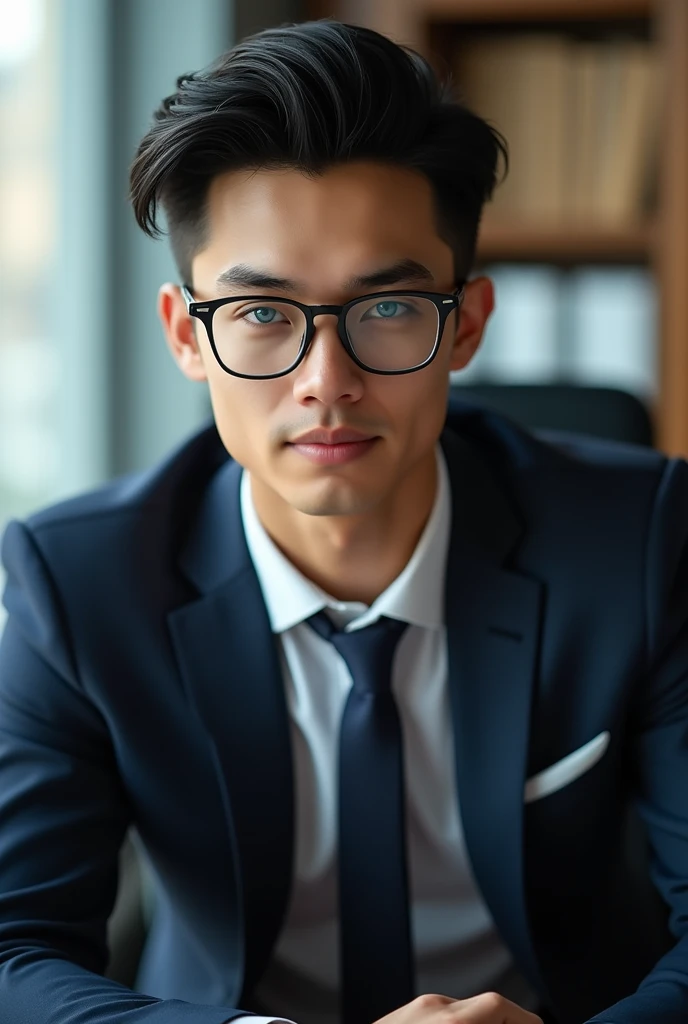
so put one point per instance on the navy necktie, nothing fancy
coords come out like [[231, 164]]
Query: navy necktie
[[375, 929]]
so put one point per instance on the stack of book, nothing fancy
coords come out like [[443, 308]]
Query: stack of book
[[581, 120]]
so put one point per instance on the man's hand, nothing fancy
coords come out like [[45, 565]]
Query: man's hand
[[488, 1008]]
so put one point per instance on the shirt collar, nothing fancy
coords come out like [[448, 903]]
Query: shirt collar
[[416, 595]]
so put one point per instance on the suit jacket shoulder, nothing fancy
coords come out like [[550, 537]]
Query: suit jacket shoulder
[[580, 487]]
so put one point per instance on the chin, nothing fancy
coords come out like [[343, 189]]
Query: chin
[[332, 501]]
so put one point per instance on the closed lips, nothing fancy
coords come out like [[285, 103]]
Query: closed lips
[[332, 437]]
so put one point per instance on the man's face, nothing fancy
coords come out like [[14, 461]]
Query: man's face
[[319, 233]]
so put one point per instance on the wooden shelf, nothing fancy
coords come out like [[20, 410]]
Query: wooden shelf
[[565, 244], [428, 25], [535, 10]]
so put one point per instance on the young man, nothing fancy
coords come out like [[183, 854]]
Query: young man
[[397, 701]]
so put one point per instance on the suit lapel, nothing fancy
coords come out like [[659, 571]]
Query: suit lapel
[[493, 620], [229, 662]]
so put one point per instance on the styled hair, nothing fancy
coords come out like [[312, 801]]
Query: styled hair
[[310, 96]]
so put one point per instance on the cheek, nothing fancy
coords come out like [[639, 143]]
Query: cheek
[[242, 411], [421, 399]]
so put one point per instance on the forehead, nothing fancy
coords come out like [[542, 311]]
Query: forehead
[[322, 229]]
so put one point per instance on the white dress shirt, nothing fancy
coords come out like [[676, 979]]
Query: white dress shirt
[[457, 949]]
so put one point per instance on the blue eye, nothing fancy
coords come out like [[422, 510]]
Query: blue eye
[[387, 309], [264, 314]]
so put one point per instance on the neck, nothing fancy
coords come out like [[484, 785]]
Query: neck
[[353, 558]]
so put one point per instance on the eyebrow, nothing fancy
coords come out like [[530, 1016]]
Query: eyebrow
[[245, 276]]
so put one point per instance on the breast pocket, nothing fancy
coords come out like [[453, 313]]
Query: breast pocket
[[563, 773]]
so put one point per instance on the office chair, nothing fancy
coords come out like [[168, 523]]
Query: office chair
[[606, 413]]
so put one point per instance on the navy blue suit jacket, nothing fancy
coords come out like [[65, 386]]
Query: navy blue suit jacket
[[139, 683]]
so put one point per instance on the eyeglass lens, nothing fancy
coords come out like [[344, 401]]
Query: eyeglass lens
[[394, 333]]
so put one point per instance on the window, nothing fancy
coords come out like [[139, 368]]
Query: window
[[29, 363]]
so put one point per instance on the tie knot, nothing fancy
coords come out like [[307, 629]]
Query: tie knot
[[368, 652]]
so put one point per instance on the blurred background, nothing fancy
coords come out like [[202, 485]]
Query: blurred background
[[587, 241]]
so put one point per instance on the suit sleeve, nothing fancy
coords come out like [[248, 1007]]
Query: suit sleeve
[[660, 750], [63, 816]]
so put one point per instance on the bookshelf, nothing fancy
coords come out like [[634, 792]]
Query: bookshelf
[[534, 10], [502, 241], [655, 236]]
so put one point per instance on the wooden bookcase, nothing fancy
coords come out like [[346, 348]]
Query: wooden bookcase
[[661, 242]]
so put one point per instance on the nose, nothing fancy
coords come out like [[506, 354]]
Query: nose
[[327, 374]]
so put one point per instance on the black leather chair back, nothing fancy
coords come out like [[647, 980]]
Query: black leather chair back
[[601, 412]]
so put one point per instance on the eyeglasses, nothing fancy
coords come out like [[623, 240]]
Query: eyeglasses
[[260, 337]]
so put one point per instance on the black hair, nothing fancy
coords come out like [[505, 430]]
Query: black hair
[[309, 96]]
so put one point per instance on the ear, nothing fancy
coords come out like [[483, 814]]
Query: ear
[[478, 303], [180, 332]]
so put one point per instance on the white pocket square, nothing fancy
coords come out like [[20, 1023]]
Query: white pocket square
[[565, 771]]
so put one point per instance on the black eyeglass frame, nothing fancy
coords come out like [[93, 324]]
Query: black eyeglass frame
[[445, 303]]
